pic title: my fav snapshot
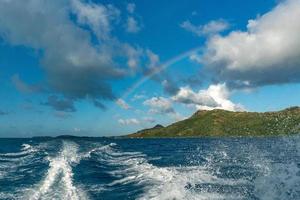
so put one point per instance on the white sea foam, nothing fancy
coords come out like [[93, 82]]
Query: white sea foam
[[2, 174], [25, 150], [26, 147], [12, 161], [7, 196], [162, 183], [282, 183], [275, 181], [58, 182], [279, 180]]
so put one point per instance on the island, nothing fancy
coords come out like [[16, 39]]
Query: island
[[218, 122]]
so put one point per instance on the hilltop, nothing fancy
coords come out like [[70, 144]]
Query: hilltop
[[227, 123]]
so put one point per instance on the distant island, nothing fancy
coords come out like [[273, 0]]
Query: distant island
[[218, 122]]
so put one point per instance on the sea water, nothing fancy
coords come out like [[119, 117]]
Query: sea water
[[157, 169]]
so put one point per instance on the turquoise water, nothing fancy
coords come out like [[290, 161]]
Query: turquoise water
[[160, 169]]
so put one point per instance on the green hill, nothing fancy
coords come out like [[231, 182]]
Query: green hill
[[227, 123]]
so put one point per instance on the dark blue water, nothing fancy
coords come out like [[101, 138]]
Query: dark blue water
[[161, 169]]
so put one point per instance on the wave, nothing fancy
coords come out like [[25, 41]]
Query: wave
[[280, 180], [58, 182], [16, 167], [162, 183], [12, 161], [25, 150], [282, 183], [54, 170]]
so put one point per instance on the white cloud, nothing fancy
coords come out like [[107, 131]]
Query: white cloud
[[132, 25], [74, 66], [213, 27], [133, 55], [66, 47], [149, 120], [267, 53], [75, 129], [131, 121], [97, 16], [130, 7], [159, 105], [195, 57], [215, 97], [163, 106], [169, 86], [122, 104], [153, 59], [138, 97], [187, 96]]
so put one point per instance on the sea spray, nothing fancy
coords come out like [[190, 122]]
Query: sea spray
[[157, 169], [281, 180], [161, 183], [58, 182]]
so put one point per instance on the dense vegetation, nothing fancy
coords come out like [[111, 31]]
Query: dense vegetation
[[227, 123]]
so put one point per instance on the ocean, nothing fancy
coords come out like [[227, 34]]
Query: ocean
[[157, 169]]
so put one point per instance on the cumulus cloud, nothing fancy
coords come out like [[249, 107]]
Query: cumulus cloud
[[159, 105], [130, 7], [97, 16], [149, 120], [75, 67], [169, 86], [212, 27], [138, 97], [267, 53], [153, 59], [162, 106], [131, 121], [133, 55], [75, 129], [60, 104], [22, 86], [215, 97], [122, 104], [187, 96], [132, 25]]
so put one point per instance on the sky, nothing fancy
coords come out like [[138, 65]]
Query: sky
[[105, 68]]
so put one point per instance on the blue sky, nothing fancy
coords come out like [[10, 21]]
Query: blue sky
[[102, 68]]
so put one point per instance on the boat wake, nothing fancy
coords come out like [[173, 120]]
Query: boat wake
[[58, 182], [16, 166], [162, 183], [80, 170], [282, 179]]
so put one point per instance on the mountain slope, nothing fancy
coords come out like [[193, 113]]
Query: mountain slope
[[227, 123]]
